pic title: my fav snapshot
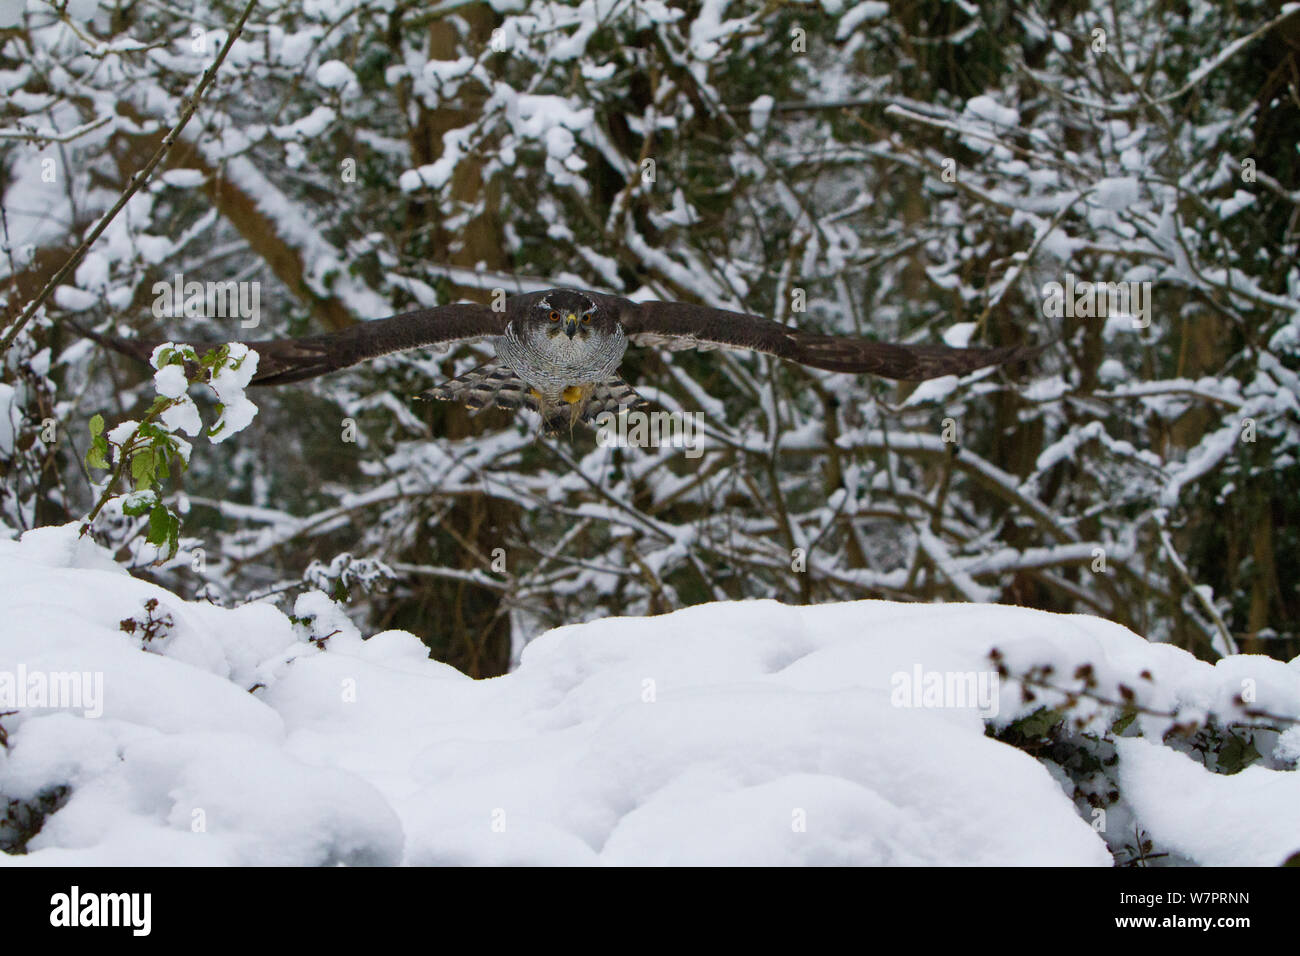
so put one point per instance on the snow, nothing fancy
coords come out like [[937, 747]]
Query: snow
[[1246, 819], [10, 417], [83, 10], [728, 733], [183, 178], [121, 433], [1214, 447], [237, 412], [1235, 204], [932, 390], [860, 14], [182, 417], [92, 273], [1117, 193], [11, 13], [986, 108], [958, 335], [74, 299], [170, 381], [335, 75], [312, 126]]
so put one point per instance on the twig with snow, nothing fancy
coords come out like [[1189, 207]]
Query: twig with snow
[[137, 180]]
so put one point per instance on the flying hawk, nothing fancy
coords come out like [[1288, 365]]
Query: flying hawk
[[558, 351]]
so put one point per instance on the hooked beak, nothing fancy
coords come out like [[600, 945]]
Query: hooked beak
[[570, 325]]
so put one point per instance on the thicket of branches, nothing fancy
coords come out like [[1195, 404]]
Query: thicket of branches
[[917, 172]]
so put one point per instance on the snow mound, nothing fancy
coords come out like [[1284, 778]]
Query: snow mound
[[1248, 818], [730, 733]]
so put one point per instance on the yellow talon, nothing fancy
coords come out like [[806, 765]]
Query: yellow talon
[[572, 394]]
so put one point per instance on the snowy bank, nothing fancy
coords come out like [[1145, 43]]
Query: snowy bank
[[749, 733]]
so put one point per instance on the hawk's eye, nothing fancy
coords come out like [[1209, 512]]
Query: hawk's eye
[[554, 316], [587, 318]]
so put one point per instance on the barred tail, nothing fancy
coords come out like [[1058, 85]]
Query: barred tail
[[611, 395], [496, 385], [488, 386]]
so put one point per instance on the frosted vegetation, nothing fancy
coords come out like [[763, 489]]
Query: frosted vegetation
[[929, 172]]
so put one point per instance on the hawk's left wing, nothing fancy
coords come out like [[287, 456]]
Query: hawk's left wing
[[281, 361], [682, 325]]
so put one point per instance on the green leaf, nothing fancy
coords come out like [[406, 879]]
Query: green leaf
[[215, 358], [1237, 753], [173, 536], [97, 453], [158, 405], [142, 468], [136, 505], [1039, 723], [96, 425], [1122, 722], [159, 525]]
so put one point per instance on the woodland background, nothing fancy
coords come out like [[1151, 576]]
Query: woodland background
[[921, 170]]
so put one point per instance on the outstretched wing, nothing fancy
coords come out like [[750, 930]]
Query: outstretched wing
[[281, 361], [682, 325]]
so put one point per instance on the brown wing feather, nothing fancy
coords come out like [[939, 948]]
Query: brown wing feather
[[281, 361], [682, 325]]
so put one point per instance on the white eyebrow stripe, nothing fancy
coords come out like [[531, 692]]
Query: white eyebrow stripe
[[592, 306]]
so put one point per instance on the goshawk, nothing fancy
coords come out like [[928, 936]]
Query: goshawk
[[558, 351]]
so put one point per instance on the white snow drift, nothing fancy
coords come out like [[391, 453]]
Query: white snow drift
[[748, 733]]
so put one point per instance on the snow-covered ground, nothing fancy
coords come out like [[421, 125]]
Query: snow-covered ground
[[750, 733]]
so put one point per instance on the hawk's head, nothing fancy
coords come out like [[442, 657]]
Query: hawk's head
[[572, 313]]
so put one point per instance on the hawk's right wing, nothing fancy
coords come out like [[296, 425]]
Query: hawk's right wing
[[281, 361], [676, 325]]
